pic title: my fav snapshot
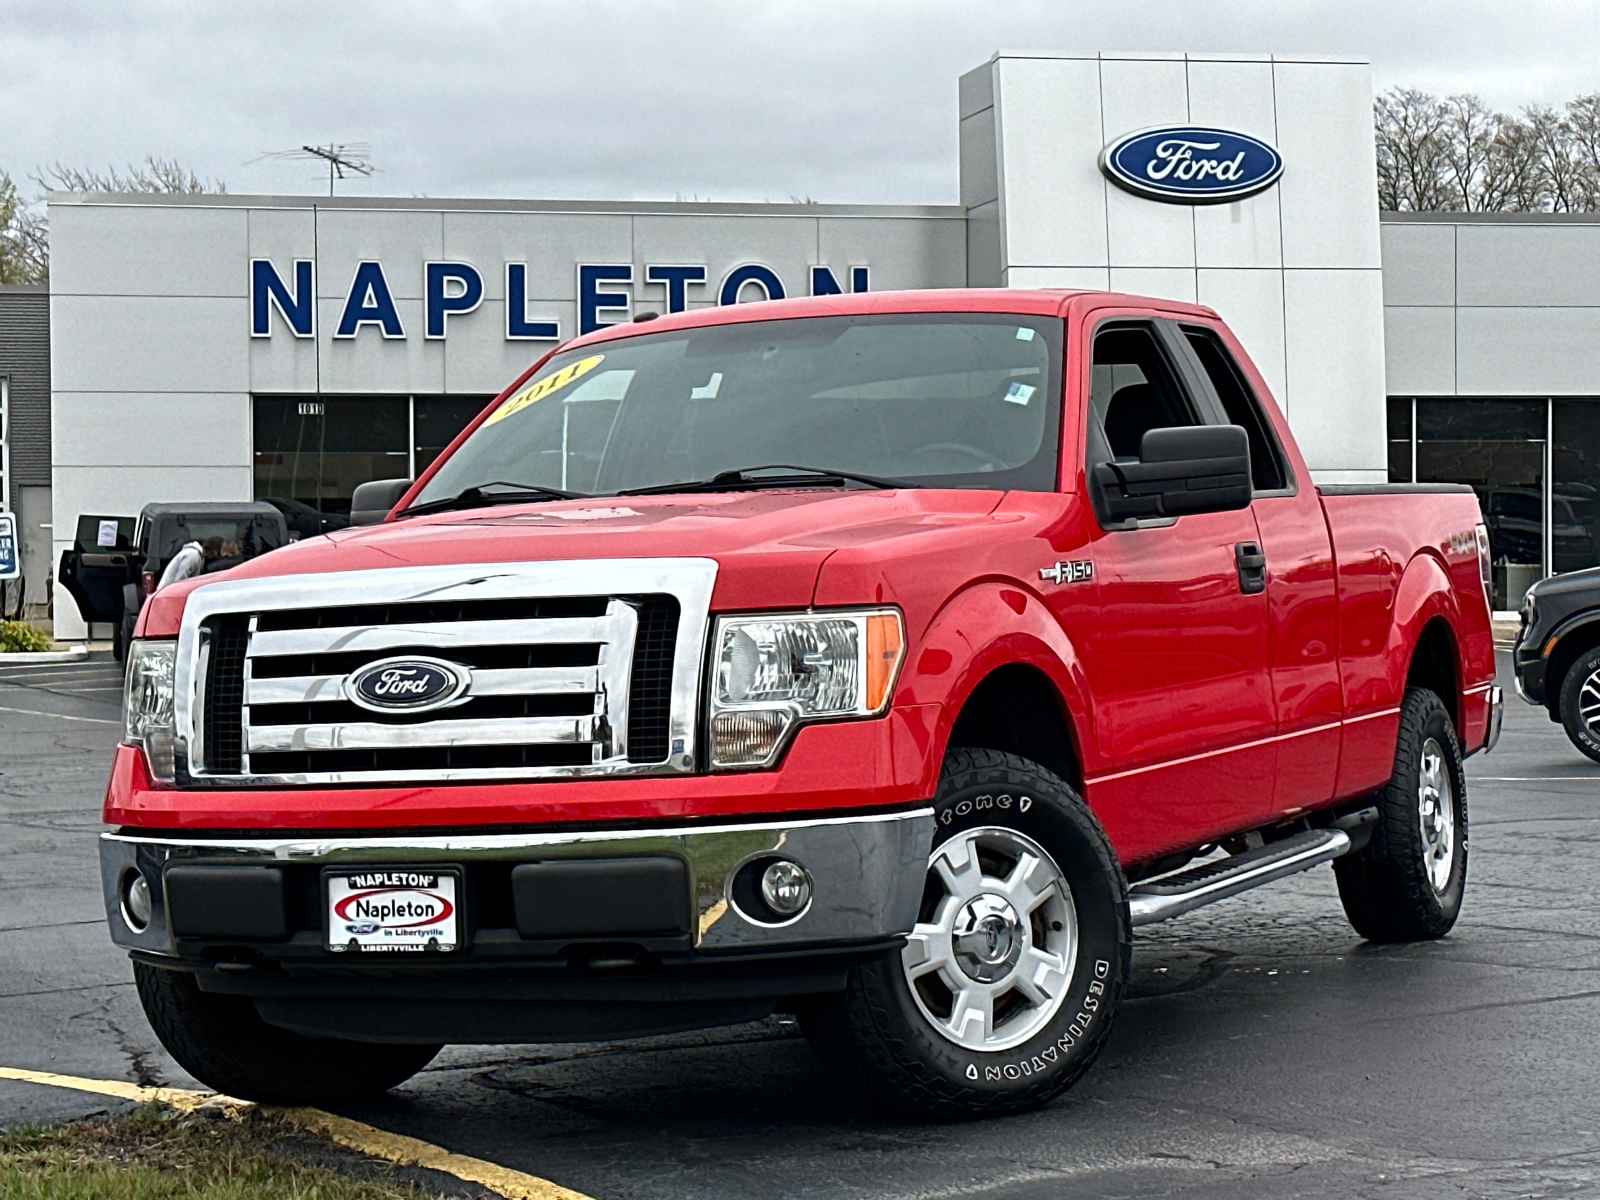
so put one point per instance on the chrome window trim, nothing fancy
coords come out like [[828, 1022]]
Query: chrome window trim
[[689, 580]]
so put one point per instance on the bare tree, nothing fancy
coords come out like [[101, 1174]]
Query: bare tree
[[24, 232], [1583, 120], [24, 251], [157, 175], [1472, 134], [1412, 152], [1459, 155]]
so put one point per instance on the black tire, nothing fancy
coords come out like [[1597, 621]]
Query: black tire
[[1387, 889], [120, 638], [223, 1043], [882, 1037], [1582, 676]]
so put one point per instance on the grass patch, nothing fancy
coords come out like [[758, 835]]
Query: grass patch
[[155, 1152]]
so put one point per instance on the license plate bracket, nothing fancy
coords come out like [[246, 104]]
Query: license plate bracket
[[388, 910]]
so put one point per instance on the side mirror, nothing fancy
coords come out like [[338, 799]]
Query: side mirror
[[1188, 469], [372, 501]]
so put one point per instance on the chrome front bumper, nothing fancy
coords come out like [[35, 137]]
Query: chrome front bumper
[[1497, 712], [867, 870]]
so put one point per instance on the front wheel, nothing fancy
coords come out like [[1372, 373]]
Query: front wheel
[[1407, 883], [1580, 703], [1006, 988], [225, 1044]]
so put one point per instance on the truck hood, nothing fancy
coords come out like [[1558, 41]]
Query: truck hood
[[769, 545]]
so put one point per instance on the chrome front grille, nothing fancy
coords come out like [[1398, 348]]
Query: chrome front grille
[[575, 668]]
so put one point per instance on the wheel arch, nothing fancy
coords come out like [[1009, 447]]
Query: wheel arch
[[1571, 640], [1435, 665], [1424, 640], [1006, 677]]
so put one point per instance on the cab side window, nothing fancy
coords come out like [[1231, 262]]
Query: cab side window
[[1267, 470], [1132, 389]]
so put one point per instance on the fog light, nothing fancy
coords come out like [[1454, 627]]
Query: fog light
[[747, 737], [786, 887], [136, 907]]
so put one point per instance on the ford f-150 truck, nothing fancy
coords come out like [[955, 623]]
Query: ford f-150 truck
[[883, 659]]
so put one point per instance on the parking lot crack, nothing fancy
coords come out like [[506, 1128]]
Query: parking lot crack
[[140, 1058]]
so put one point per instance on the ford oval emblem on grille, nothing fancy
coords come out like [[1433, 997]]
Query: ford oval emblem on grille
[[1191, 164], [407, 684]]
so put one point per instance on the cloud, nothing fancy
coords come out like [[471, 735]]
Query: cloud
[[839, 100]]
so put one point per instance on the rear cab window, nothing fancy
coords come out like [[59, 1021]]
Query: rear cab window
[[1268, 470]]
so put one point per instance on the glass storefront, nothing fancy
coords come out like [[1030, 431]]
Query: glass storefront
[[310, 452], [1535, 464]]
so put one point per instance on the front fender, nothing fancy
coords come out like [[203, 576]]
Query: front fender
[[986, 626]]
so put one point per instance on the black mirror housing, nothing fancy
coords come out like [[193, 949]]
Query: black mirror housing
[[1181, 470], [371, 502]]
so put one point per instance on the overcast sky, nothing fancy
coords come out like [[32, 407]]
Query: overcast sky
[[836, 100]]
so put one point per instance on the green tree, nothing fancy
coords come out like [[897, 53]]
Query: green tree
[[24, 250]]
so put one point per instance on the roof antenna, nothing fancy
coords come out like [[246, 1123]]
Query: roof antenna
[[343, 158]]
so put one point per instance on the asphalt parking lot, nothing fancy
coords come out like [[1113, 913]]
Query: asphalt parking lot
[[1264, 1050]]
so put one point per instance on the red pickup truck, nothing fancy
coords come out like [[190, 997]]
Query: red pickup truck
[[883, 659]]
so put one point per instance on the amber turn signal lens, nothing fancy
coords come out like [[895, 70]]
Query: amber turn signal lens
[[886, 645]]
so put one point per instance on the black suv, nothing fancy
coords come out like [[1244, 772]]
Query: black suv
[[1557, 656], [116, 562]]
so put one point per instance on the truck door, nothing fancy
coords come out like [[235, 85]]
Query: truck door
[[101, 560], [1181, 669], [1302, 602]]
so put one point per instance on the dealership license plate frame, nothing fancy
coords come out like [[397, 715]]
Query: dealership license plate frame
[[360, 943]]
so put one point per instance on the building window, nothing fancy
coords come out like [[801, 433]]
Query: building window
[[437, 420], [1575, 484], [1400, 441], [312, 451], [1499, 447]]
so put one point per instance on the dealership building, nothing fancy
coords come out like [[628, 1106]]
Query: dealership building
[[227, 347]]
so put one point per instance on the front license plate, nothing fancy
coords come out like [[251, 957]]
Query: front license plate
[[389, 908]]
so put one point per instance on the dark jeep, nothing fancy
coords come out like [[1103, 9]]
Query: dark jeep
[[116, 562]]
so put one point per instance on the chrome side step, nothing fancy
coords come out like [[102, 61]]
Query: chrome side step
[[1171, 895]]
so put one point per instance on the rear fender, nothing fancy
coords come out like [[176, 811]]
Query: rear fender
[[984, 627], [1367, 746], [1425, 592]]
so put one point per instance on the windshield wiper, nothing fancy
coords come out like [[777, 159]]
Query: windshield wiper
[[746, 479], [478, 497]]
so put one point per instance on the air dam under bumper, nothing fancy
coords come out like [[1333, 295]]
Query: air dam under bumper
[[567, 936]]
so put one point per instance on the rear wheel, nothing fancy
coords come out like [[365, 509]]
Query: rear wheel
[[1007, 986], [1580, 703], [1407, 883], [225, 1044]]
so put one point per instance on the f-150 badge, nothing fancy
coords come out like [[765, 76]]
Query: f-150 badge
[[1080, 571]]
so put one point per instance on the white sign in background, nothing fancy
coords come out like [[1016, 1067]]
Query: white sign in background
[[10, 551]]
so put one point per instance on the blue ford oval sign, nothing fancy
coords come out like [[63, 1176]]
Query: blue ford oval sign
[[406, 684], [1191, 164]]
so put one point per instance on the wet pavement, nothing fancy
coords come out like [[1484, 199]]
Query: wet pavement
[[1263, 1051]]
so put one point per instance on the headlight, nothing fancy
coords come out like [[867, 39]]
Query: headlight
[[147, 719], [771, 674]]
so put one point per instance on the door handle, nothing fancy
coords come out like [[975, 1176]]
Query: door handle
[[1252, 565]]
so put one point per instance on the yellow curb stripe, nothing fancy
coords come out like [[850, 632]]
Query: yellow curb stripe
[[181, 1098], [397, 1148], [378, 1143]]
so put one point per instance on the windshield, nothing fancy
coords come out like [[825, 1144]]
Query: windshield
[[960, 400]]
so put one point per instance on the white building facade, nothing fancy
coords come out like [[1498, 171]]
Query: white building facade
[[237, 347]]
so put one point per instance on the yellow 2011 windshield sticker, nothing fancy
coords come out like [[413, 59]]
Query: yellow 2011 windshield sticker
[[540, 388]]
